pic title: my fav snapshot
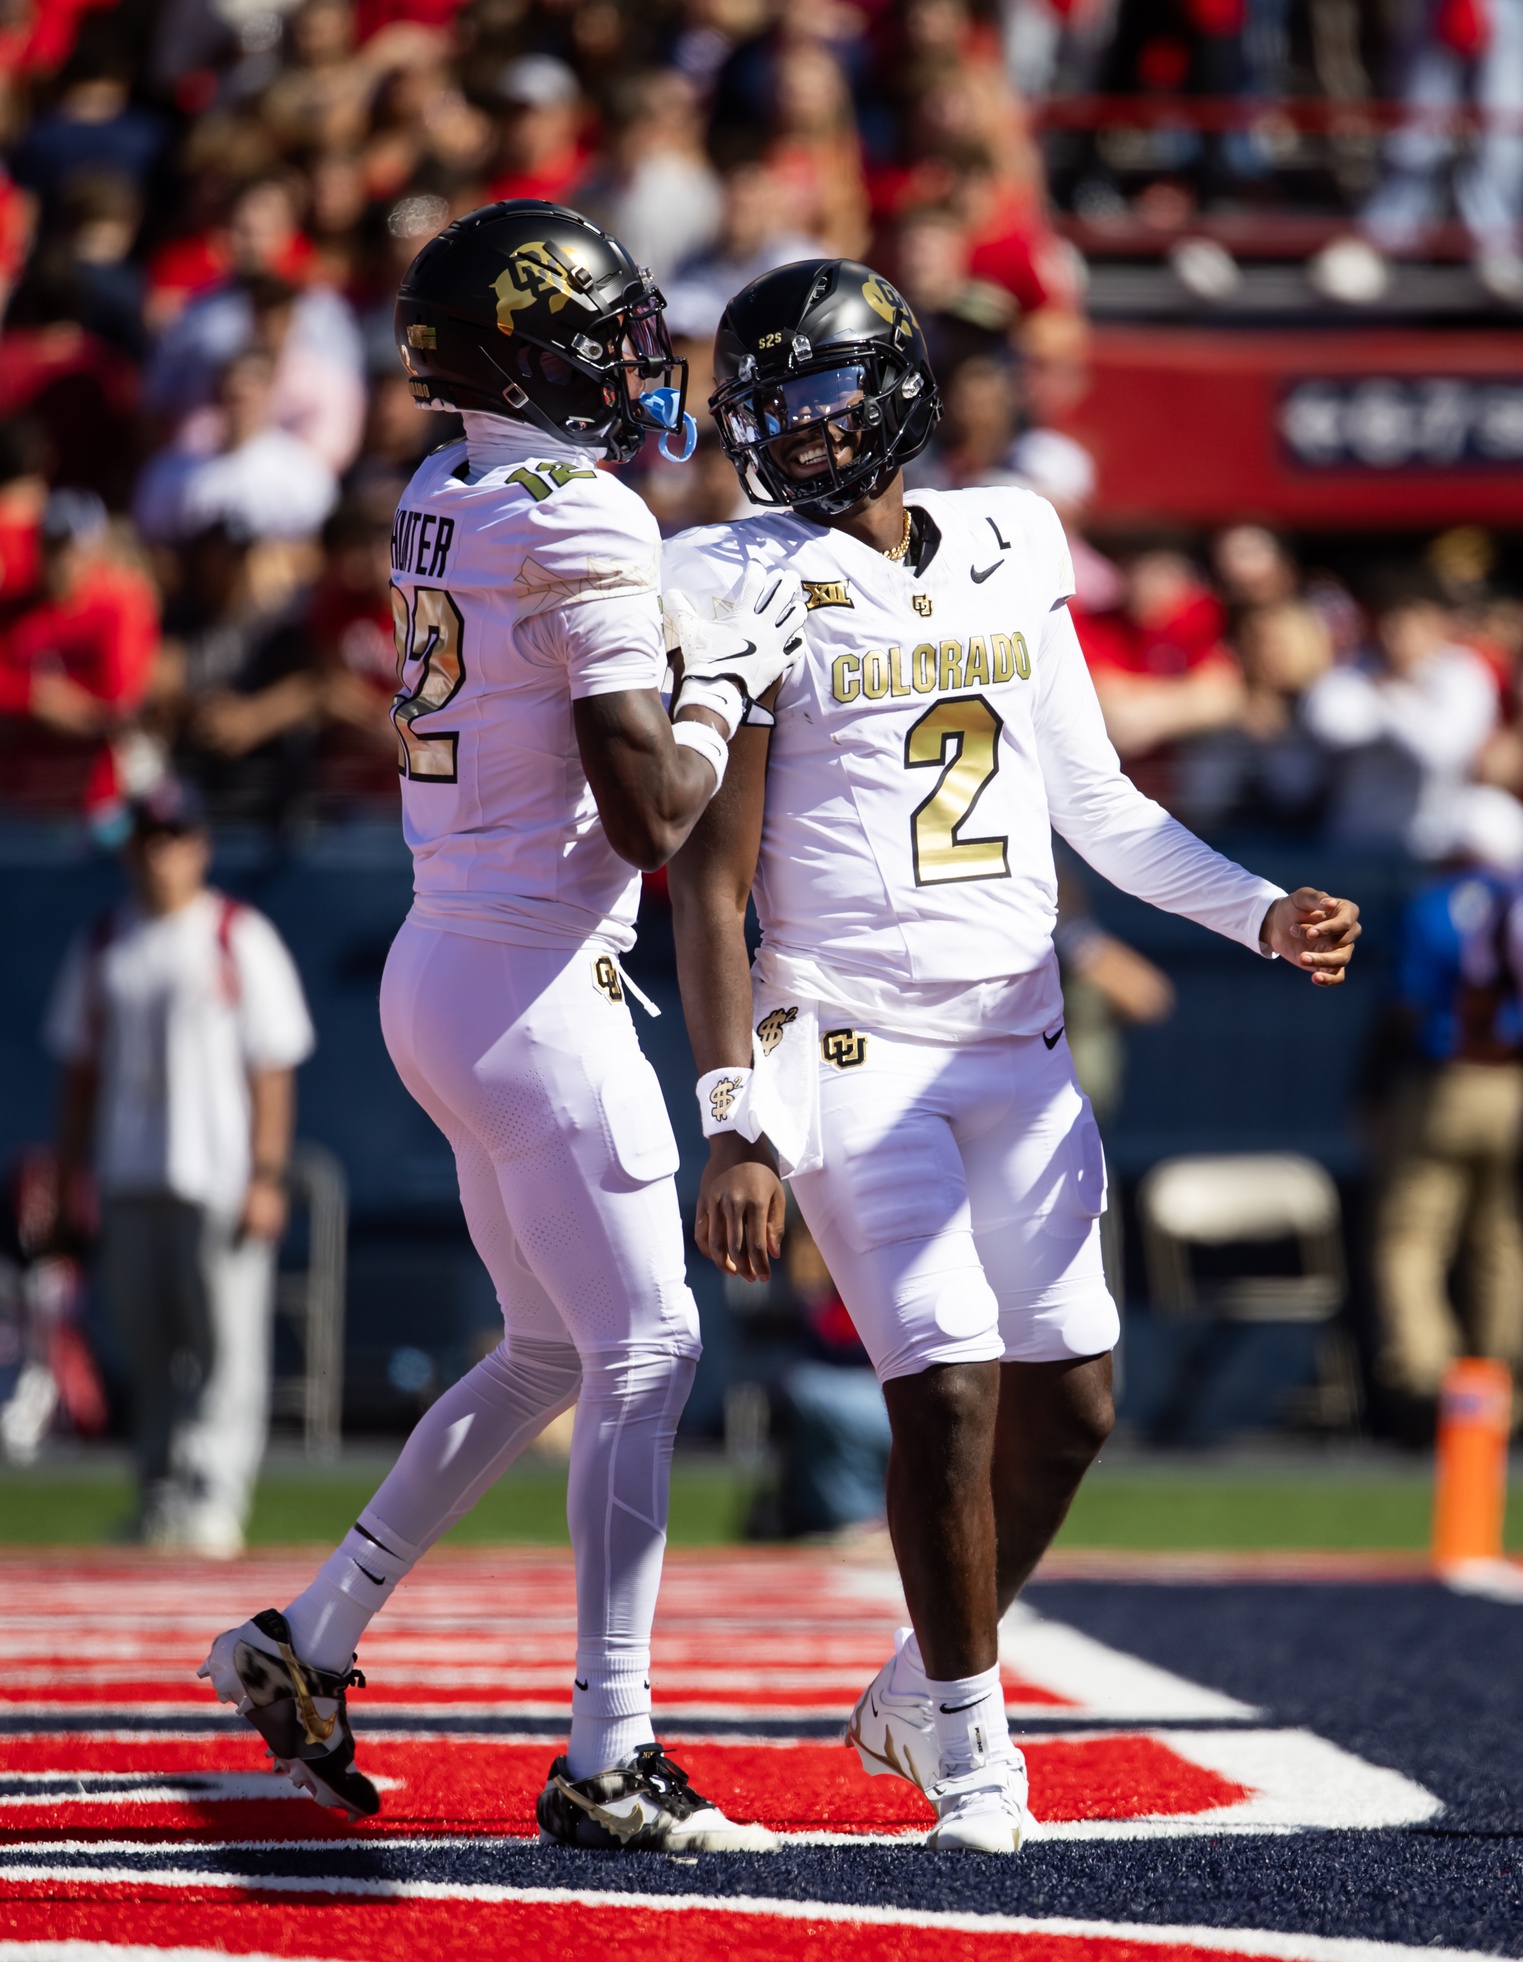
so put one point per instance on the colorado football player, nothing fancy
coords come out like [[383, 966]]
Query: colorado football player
[[901, 1039], [539, 771]]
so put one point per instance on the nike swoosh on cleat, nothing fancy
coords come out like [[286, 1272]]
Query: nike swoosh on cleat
[[1055, 1038], [988, 572]]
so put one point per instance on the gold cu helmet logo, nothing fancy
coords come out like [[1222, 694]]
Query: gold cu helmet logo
[[530, 275], [769, 1030], [885, 302]]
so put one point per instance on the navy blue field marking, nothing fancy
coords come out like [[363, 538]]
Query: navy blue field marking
[[1408, 1675], [395, 1725], [1413, 1888]]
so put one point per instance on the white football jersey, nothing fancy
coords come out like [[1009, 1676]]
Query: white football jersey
[[940, 725], [522, 579]]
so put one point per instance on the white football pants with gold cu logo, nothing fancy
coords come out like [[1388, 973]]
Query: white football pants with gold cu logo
[[958, 1205]]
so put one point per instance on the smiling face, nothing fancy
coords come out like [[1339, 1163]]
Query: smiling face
[[806, 414]]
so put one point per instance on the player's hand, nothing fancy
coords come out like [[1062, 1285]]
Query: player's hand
[[755, 645], [740, 1208], [1315, 932]]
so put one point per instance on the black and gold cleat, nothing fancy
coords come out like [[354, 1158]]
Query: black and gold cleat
[[299, 1711], [645, 1805]]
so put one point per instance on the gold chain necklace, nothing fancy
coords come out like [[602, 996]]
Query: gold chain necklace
[[898, 551]]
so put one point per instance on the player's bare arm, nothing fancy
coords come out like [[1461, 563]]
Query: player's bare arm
[[652, 777], [1315, 932], [739, 1223], [650, 790]]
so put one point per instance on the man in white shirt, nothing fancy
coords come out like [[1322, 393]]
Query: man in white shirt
[[1407, 723], [233, 466], [901, 1040], [180, 1020], [539, 770]]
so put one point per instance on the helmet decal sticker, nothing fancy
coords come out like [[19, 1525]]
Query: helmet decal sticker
[[530, 275]]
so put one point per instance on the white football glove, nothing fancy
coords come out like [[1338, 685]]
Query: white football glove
[[727, 663]]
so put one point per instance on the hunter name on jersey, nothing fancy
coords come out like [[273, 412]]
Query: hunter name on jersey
[[420, 543]]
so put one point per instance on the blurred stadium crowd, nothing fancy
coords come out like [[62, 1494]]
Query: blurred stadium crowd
[[204, 429]]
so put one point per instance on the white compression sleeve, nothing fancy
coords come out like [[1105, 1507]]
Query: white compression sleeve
[[1125, 836], [621, 1458], [459, 1447]]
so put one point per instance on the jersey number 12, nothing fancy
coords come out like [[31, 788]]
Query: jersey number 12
[[429, 635]]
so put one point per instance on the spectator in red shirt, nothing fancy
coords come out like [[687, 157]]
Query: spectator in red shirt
[[1160, 666], [23, 496], [81, 391], [262, 234], [78, 659], [542, 154], [350, 625]]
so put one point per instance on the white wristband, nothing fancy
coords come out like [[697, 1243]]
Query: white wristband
[[713, 692], [708, 742], [722, 1101]]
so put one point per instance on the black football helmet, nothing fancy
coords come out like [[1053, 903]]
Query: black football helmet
[[528, 310], [822, 342]]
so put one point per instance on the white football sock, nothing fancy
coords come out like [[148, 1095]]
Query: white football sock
[[971, 1726], [459, 1447], [328, 1620], [616, 1502], [907, 1677]]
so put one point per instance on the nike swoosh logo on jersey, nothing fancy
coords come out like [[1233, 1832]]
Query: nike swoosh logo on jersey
[[1055, 1038], [988, 572]]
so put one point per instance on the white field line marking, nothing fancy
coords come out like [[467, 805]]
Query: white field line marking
[[1254, 1942], [50, 1951], [55, 1788], [1301, 1780], [1100, 1680]]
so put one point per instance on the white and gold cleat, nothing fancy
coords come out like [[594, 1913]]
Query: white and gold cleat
[[892, 1729], [983, 1810]]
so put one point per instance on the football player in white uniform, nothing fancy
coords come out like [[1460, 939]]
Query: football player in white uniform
[[539, 770], [901, 1039]]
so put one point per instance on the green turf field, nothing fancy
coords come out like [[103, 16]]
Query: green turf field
[[1127, 1505]]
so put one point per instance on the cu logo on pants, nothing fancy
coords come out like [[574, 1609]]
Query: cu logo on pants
[[605, 977], [843, 1047]]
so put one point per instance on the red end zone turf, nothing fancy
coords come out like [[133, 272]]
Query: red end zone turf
[[562, 1931], [146, 1788]]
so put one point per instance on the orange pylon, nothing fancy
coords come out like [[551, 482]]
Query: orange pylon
[[1470, 1484]]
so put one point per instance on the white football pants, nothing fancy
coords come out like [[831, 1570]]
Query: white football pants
[[530, 1066], [958, 1205]]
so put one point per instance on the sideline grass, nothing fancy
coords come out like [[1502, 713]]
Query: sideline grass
[[1132, 1507], [292, 1507]]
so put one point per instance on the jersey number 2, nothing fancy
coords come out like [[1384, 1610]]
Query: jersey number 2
[[431, 634], [961, 737]]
